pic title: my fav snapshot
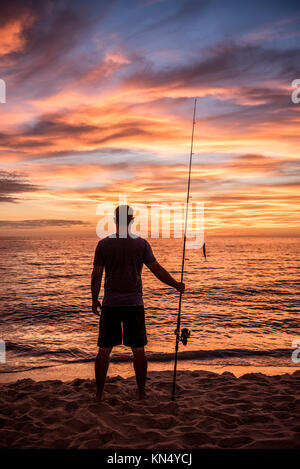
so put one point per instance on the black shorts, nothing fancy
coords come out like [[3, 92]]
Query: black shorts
[[110, 327]]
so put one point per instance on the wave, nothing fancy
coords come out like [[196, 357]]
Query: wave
[[76, 356], [208, 354], [37, 351]]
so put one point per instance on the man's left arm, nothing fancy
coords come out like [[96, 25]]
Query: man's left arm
[[96, 279]]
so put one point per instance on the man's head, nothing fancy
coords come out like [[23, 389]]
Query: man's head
[[123, 215]]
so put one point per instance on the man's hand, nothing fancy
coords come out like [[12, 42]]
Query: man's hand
[[180, 287], [95, 308]]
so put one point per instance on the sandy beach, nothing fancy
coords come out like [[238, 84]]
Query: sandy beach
[[211, 411]]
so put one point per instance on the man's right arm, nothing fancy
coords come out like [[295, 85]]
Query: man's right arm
[[96, 279], [165, 277]]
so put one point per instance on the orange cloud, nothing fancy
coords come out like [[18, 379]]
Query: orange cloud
[[11, 39]]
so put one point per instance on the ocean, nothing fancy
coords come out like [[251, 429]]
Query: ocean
[[241, 305]]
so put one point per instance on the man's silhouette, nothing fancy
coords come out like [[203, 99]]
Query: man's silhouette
[[122, 256]]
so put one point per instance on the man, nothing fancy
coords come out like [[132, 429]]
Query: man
[[122, 255]]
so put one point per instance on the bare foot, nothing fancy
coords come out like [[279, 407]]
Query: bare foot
[[142, 396], [99, 397]]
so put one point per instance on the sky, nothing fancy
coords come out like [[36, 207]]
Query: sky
[[99, 103]]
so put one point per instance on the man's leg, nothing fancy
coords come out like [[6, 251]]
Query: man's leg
[[101, 367], [140, 368]]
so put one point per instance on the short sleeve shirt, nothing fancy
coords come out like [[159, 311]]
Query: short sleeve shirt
[[123, 260]]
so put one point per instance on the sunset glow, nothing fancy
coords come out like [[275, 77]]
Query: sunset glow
[[100, 100]]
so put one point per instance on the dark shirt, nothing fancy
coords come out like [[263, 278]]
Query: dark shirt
[[123, 260]]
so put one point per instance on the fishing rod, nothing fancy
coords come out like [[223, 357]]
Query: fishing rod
[[185, 333]]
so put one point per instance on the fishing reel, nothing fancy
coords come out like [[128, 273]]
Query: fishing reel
[[185, 334]]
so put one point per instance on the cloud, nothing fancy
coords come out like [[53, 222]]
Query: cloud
[[223, 64], [47, 38], [12, 183], [262, 164], [185, 11], [99, 101], [62, 133], [232, 175], [250, 107], [40, 223]]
